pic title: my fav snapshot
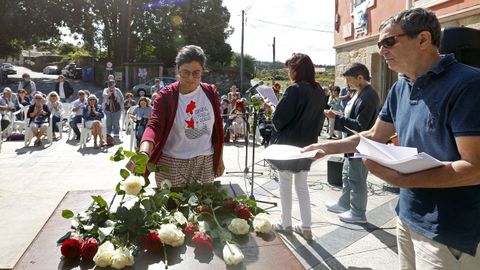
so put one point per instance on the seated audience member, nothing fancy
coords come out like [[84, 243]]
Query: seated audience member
[[38, 114], [129, 101], [93, 115], [10, 99], [77, 108], [24, 100], [141, 115], [238, 118], [56, 109]]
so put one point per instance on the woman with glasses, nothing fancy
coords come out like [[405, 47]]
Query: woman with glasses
[[56, 109], [140, 115], [39, 115], [185, 131], [93, 115], [297, 122]]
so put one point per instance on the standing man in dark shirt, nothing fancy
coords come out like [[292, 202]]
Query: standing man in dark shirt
[[360, 115], [64, 89], [434, 108]]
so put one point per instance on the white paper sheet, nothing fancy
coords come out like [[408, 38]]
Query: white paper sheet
[[267, 93], [401, 159], [286, 152]]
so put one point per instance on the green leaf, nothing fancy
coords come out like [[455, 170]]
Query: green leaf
[[118, 189], [147, 181], [176, 195], [147, 204], [152, 167], [99, 200], [65, 237], [251, 203], [129, 154], [124, 173], [139, 169], [193, 200], [67, 214], [207, 201], [140, 159]]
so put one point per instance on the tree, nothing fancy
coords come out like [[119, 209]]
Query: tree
[[25, 23]]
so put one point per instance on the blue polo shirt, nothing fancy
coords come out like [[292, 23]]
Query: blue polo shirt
[[429, 114]]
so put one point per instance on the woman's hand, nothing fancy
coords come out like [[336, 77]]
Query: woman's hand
[[330, 114], [220, 168]]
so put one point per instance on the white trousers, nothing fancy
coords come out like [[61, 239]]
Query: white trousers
[[416, 251], [301, 187]]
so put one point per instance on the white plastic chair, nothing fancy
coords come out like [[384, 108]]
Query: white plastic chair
[[64, 119], [86, 132], [19, 125], [28, 131]]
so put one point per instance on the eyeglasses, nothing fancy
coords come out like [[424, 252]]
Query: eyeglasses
[[38, 98], [186, 73], [81, 94], [389, 42]]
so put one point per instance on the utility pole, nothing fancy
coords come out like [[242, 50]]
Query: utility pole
[[241, 52], [273, 67], [127, 81]]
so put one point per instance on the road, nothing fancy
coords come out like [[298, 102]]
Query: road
[[46, 82]]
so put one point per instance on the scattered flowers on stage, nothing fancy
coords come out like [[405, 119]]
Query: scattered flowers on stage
[[112, 234]]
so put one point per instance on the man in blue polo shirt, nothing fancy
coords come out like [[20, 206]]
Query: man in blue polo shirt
[[435, 107]]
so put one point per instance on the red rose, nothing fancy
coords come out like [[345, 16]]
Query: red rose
[[204, 209], [89, 248], [152, 242], [202, 241], [229, 205], [190, 228], [242, 211], [71, 247]]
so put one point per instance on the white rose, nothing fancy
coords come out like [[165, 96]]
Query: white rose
[[239, 226], [261, 223], [133, 184], [105, 252], [121, 258], [232, 255], [171, 235]]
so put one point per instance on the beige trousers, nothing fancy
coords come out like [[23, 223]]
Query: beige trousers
[[416, 251]]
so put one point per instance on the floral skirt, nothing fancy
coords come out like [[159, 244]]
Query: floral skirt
[[181, 171]]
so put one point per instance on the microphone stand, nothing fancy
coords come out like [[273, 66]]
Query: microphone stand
[[246, 170], [252, 182]]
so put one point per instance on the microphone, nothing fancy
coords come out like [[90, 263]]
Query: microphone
[[250, 90]]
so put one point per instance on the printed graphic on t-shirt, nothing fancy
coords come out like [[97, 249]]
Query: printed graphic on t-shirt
[[196, 121]]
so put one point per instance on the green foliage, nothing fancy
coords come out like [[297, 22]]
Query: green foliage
[[248, 64], [67, 214]]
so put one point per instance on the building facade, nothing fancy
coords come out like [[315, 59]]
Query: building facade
[[356, 31]]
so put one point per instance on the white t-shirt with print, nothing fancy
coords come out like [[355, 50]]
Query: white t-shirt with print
[[191, 134]]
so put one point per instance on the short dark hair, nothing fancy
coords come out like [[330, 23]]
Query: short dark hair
[[356, 69], [414, 21], [189, 54], [303, 67]]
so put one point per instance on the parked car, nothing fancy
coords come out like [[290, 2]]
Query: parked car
[[144, 89], [71, 71], [51, 70], [8, 68]]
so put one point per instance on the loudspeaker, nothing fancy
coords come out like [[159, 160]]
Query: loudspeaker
[[464, 42], [334, 171]]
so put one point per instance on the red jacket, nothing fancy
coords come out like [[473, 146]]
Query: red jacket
[[163, 116]]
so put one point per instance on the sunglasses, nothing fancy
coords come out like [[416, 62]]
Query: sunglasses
[[389, 42], [186, 73]]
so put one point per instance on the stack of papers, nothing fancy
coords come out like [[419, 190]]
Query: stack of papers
[[401, 159]]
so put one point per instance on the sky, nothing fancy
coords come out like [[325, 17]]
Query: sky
[[310, 28]]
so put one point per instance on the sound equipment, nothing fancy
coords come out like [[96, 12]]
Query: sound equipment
[[464, 42], [334, 171]]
